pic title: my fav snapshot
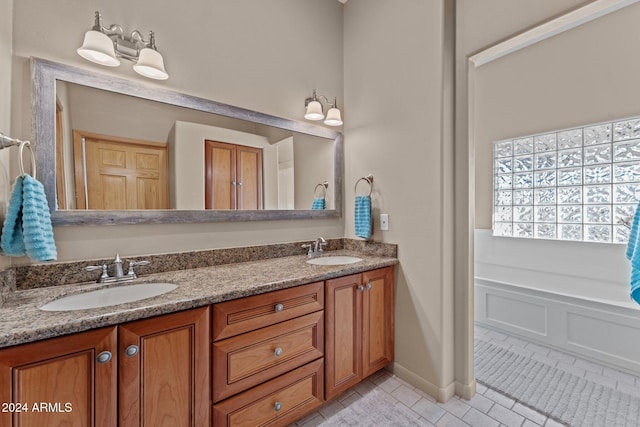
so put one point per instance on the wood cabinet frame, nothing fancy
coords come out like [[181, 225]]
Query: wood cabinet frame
[[359, 328], [28, 371]]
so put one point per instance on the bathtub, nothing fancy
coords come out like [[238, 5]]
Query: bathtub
[[568, 295]]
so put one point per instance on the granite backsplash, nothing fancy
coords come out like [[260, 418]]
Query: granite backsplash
[[65, 273]]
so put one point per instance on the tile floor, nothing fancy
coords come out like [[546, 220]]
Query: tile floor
[[487, 408]]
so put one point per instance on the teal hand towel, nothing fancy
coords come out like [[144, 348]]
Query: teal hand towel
[[11, 241], [36, 222], [319, 203], [633, 254], [27, 227], [362, 217]]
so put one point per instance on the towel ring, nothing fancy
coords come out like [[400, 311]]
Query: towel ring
[[20, 158], [369, 179], [323, 185]]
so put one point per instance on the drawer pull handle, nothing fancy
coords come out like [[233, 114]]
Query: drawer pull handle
[[278, 352], [132, 350], [103, 357], [369, 285], [277, 406], [360, 288], [278, 308]]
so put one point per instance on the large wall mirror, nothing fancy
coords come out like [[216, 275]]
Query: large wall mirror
[[114, 151]]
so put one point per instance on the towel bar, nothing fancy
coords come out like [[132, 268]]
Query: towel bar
[[33, 158], [368, 179], [324, 186], [6, 141]]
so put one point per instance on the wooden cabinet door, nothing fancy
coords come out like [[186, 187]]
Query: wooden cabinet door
[[166, 381], [233, 176], [61, 381], [342, 334], [249, 177], [359, 335], [377, 320], [220, 175]]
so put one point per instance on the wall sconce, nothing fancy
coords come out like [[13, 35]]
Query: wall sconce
[[314, 110], [105, 45]]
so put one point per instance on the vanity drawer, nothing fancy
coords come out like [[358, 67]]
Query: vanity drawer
[[246, 360], [248, 314], [278, 402]]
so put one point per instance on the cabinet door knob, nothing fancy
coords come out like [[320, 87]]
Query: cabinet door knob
[[132, 350], [360, 288], [277, 406], [278, 308], [103, 357], [278, 352], [369, 285]]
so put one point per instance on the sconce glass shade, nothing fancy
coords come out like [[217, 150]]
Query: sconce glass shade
[[314, 111], [98, 48], [333, 117], [150, 64]]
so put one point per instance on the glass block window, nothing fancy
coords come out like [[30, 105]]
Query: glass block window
[[575, 184]]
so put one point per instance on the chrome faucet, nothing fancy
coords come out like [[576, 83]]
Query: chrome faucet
[[316, 248], [118, 263], [119, 275], [319, 245]]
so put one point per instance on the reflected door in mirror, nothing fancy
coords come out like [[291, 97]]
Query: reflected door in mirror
[[118, 173], [233, 176]]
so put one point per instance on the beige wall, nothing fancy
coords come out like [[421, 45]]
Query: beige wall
[[479, 25], [265, 56], [110, 113], [313, 161], [6, 27], [586, 75], [394, 94], [6, 14]]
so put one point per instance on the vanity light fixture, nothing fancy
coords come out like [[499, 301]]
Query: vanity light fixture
[[104, 46], [314, 110]]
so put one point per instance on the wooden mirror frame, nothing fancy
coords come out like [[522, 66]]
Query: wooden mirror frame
[[44, 75]]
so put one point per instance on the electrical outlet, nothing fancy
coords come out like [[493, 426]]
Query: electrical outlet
[[384, 222]]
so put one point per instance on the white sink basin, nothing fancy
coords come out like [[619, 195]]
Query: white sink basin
[[109, 296], [334, 260]]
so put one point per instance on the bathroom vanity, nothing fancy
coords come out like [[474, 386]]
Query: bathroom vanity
[[250, 343]]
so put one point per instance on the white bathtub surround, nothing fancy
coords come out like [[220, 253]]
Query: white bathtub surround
[[569, 295]]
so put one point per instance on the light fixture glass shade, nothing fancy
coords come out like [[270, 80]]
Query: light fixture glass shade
[[98, 48], [333, 117], [314, 111], [150, 64]]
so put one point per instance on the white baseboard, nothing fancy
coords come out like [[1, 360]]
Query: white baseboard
[[441, 394]]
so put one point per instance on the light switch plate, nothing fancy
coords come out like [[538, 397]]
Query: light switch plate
[[384, 222]]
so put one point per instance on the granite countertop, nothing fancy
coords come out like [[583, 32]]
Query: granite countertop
[[23, 322]]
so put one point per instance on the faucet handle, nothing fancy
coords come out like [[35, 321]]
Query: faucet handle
[[98, 267], [308, 247], [133, 264]]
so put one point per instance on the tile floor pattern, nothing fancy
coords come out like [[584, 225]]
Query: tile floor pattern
[[487, 408]]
